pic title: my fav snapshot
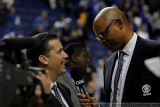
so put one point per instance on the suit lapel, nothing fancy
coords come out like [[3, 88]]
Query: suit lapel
[[108, 71], [65, 94], [69, 81], [133, 64]]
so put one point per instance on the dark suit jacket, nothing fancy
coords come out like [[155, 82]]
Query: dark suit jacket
[[53, 102], [140, 84]]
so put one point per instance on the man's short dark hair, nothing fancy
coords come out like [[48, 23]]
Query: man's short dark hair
[[74, 48], [41, 47]]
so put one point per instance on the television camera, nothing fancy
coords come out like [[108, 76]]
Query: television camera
[[17, 77]]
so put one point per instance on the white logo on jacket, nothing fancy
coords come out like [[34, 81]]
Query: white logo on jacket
[[146, 90]]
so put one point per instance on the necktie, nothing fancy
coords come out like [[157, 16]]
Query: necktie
[[117, 75], [57, 95]]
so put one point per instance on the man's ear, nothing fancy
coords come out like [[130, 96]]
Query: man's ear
[[43, 59], [74, 58], [120, 23]]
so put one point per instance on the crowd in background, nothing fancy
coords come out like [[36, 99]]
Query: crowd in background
[[73, 22]]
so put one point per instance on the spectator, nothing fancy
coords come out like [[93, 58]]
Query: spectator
[[156, 21], [60, 23], [12, 17], [39, 29], [3, 11], [42, 20], [100, 80], [9, 3], [10, 35], [52, 4]]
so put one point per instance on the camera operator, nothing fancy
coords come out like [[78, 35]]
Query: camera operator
[[47, 53]]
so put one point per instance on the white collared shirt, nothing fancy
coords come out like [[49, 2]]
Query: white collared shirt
[[128, 49], [64, 101]]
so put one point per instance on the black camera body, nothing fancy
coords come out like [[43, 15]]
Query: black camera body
[[17, 77]]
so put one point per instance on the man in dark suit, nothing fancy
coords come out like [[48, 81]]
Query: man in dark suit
[[48, 54], [78, 56], [126, 78]]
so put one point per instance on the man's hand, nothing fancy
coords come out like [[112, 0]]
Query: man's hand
[[87, 101], [45, 80]]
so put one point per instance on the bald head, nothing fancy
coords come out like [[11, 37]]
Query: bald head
[[112, 13], [112, 28], [109, 14]]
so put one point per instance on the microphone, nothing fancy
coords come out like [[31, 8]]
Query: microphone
[[18, 43], [76, 74]]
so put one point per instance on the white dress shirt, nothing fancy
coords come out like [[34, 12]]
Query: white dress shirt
[[128, 49], [64, 101]]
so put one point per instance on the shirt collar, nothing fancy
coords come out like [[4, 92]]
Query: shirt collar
[[128, 49], [51, 84]]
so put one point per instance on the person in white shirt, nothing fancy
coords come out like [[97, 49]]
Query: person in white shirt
[[126, 78]]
